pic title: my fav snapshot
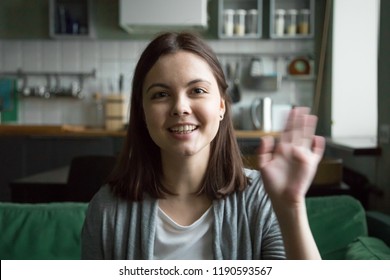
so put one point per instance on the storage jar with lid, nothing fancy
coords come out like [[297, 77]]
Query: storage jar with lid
[[279, 22], [228, 22], [291, 22], [252, 21], [304, 21], [239, 22]]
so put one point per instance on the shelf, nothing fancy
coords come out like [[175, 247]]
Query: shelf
[[299, 78], [50, 90], [21, 73], [234, 6], [291, 31], [71, 19]]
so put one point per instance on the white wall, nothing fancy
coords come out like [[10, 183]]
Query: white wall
[[354, 68]]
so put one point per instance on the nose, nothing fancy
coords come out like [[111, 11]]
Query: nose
[[181, 106]]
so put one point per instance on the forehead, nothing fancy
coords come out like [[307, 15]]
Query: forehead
[[180, 63]]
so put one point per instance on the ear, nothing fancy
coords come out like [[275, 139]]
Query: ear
[[222, 107]]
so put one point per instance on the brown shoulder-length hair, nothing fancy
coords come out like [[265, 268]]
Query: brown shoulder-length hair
[[138, 170]]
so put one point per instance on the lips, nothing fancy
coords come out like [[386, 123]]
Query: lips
[[183, 129]]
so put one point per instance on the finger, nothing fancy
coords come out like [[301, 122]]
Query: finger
[[294, 126], [265, 151], [267, 144], [263, 159], [318, 146], [308, 130]]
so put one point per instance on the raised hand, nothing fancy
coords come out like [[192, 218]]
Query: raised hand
[[288, 165]]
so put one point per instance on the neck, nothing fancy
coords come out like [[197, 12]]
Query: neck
[[183, 176]]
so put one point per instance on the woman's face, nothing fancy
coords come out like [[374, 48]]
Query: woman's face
[[182, 105]]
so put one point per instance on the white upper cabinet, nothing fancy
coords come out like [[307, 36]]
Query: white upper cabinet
[[151, 16]]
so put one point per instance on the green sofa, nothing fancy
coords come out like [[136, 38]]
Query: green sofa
[[52, 230]]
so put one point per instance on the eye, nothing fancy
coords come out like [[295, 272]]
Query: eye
[[199, 90], [159, 95]]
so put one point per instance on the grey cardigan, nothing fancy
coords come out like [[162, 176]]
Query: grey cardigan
[[245, 226]]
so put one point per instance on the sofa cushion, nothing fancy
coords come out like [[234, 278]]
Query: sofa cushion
[[335, 221], [368, 248], [41, 231]]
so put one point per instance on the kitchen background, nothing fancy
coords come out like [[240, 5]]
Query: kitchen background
[[26, 44], [112, 53], [110, 59]]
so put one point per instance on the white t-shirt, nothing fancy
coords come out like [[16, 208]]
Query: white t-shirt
[[175, 242]]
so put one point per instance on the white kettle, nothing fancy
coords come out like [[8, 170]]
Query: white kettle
[[261, 114]]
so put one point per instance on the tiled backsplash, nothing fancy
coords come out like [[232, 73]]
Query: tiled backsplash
[[112, 58]]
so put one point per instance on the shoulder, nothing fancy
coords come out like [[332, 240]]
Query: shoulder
[[255, 184], [105, 204], [252, 197], [104, 201]]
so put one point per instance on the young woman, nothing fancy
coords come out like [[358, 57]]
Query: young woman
[[180, 190]]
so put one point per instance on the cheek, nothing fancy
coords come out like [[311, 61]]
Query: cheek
[[211, 113], [152, 117]]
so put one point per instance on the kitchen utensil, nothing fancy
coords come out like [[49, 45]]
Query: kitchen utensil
[[121, 84], [236, 91], [256, 67], [261, 114], [279, 116], [115, 111]]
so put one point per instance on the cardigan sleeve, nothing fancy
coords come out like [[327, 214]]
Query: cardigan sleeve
[[265, 230], [91, 236]]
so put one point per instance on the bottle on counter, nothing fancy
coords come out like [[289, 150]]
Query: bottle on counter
[[97, 111]]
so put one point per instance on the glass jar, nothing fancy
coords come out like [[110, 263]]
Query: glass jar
[[304, 21], [279, 22], [252, 21], [291, 22], [239, 22], [97, 111], [228, 22]]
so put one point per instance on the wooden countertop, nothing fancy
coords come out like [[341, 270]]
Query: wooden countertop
[[76, 130], [55, 130]]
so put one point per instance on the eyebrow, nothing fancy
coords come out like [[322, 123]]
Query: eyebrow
[[162, 85]]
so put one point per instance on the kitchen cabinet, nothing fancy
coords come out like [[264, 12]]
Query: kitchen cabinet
[[286, 19], [71, 19], [240, 19], [291, 19]]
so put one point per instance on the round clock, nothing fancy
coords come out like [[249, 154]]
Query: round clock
[[299, 66]]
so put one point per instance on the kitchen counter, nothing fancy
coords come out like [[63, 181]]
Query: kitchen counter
[[56, 130], [75, 130], [358, 146]]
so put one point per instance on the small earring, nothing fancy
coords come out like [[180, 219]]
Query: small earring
[[221, 117]]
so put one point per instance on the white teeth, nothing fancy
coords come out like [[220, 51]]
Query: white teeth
[[183, 129]]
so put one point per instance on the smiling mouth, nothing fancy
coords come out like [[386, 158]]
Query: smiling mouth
[[183, 129]]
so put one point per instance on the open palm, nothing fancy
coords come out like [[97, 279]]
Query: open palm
[[289, 165]]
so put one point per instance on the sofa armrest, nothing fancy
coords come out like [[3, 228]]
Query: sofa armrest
[[379, 225], [368, 248]]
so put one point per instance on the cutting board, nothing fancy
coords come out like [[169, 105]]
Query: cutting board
[[8, 100]]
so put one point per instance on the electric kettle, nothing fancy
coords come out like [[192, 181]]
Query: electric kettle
[[261, 114]]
